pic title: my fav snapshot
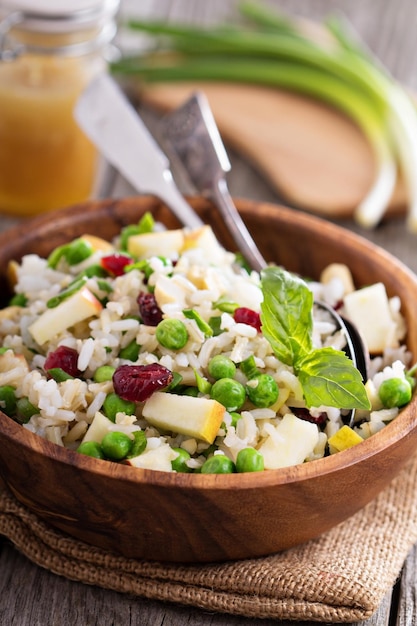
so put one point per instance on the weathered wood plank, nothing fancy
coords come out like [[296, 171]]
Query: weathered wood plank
[[407, 598]]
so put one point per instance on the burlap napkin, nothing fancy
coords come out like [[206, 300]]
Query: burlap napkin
[[340, 577]]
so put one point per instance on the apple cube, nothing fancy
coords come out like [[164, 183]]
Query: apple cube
[[168, 290], [342, 440], [78, 307], [97, 243], [195, 417], [155, 459], [291, 442], [164, 243], [99, 427], [205, 239], [369, 310]]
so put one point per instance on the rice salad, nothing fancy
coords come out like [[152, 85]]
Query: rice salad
[[161, 350]]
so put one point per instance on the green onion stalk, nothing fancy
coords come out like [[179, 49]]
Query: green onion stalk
[[274, 51]]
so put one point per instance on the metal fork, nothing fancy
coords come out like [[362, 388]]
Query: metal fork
[[192, 142]]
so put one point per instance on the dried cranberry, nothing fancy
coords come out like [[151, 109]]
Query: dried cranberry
[[115, 263], [149, 310], [242, 315], [64, 358], [136, 383], [304, 414]]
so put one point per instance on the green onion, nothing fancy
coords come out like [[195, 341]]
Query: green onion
[[275, 51], [205, 328], [59, 375], [75, 286]]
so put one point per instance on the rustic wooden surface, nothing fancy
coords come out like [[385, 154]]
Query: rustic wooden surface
[[30, 596]]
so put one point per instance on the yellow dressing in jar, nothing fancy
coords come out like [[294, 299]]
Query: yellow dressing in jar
[[46, 161]]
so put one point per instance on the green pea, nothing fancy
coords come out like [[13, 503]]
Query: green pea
[[77, 251], [116, 446], [265, 392], [172, 334], [139, 444], [221, 366], [114, 404], [249, 460], [218, 464], [7, 400], [130, 352], [228, 392], [180, 463], [395, 392], [25, 410], [91, 448], [104, 373]]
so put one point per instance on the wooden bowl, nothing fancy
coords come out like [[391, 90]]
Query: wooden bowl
[[193, 517]]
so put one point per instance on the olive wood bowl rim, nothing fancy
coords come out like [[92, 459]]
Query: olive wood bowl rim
[[391, 434]]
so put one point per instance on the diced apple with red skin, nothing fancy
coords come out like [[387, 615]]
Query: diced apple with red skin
[[195, 417], [78, 307]]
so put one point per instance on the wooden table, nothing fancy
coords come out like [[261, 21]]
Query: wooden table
[[30, 596]]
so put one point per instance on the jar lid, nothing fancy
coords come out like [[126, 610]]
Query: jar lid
[[61, 15]]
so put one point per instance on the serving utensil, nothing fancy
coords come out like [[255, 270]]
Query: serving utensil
[[192, 142], [192, 138]]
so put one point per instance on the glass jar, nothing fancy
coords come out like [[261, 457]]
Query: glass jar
[[48, 54]]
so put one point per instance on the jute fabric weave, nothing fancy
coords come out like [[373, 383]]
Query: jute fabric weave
[[340, 577]]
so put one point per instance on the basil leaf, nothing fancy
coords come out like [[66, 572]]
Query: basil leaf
[[328, 377], [286, 314]]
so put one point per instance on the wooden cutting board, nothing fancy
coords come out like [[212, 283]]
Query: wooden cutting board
[[312, 155]]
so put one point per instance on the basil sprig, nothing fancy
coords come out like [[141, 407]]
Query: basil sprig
[[327, 376]]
